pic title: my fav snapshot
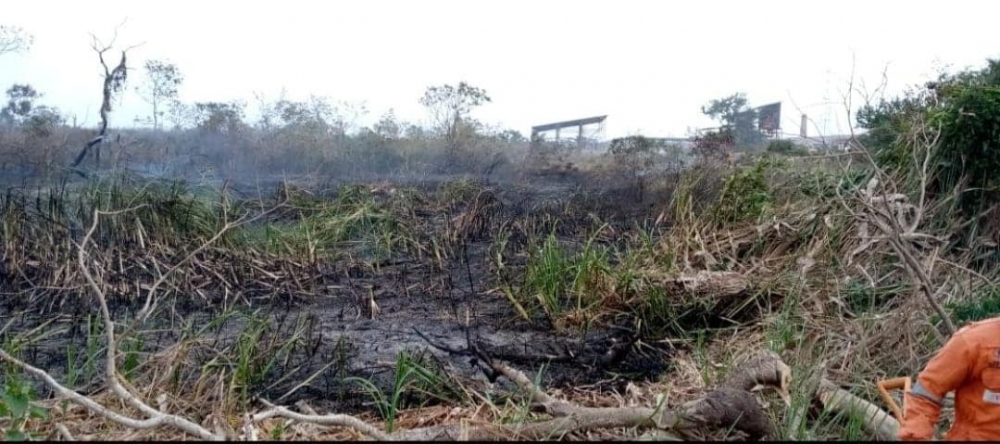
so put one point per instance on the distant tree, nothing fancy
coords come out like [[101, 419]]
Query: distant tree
[[20, 102], [714, 145], [388, 127], [726, 108], [511, 136], [22, 109], [413, 132], [14, 39], [635, 154], [43, 120], [180, 114], [737, 117], [219, 117], [316, 116], [162, 80], [450, 107], [345, 116]]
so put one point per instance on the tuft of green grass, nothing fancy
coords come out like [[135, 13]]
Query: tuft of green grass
[[591, 268], [862, 298], [557, 281], [548, 276], [256, 353], [411, 378], [131, 348], [984, 304], [95, 330], [373, 228], [460, 190]]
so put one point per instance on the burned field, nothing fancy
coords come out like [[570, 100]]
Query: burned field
[[208, 266], [710, 302], [754, 300], [327, 296]]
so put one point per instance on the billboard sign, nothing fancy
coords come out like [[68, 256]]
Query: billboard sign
[[769, 117]]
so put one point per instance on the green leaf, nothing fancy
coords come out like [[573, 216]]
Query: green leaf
[[37, 412], [17, 403], [15, 435], [277, 432]]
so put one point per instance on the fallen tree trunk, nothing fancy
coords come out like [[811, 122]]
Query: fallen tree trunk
[[704, 284], [720, 409], [732, 406], [706, 299], [877, 422]]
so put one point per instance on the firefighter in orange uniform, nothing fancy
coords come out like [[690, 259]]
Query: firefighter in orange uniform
[[969, 365]]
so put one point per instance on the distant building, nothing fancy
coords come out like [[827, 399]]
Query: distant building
[[839, 142], [585, 134]]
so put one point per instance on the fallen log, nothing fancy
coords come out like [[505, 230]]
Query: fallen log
[[732, 406], [877, 422], [703, 284], [705, 298]]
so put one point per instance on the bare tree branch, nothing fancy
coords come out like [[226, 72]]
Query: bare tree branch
[[14, 40]]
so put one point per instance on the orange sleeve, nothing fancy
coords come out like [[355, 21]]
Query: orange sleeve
[[944, 373]]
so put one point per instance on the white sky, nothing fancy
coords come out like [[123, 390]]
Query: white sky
[[649, 65]]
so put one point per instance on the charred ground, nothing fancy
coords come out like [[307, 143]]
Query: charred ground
[[347, 305]]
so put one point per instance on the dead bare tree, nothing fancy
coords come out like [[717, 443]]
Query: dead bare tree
[[114, 83]]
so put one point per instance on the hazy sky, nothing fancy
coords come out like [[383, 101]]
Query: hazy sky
[[649, 65]]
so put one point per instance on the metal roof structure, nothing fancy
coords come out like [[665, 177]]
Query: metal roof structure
[[585, 133], [568, 124]]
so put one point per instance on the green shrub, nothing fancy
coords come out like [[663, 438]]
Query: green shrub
[[970, 140], [632, 151], [965, 107], [983, 305], [822, 183], [17, 406], [786, 147], [745, 195], [887, 121]]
